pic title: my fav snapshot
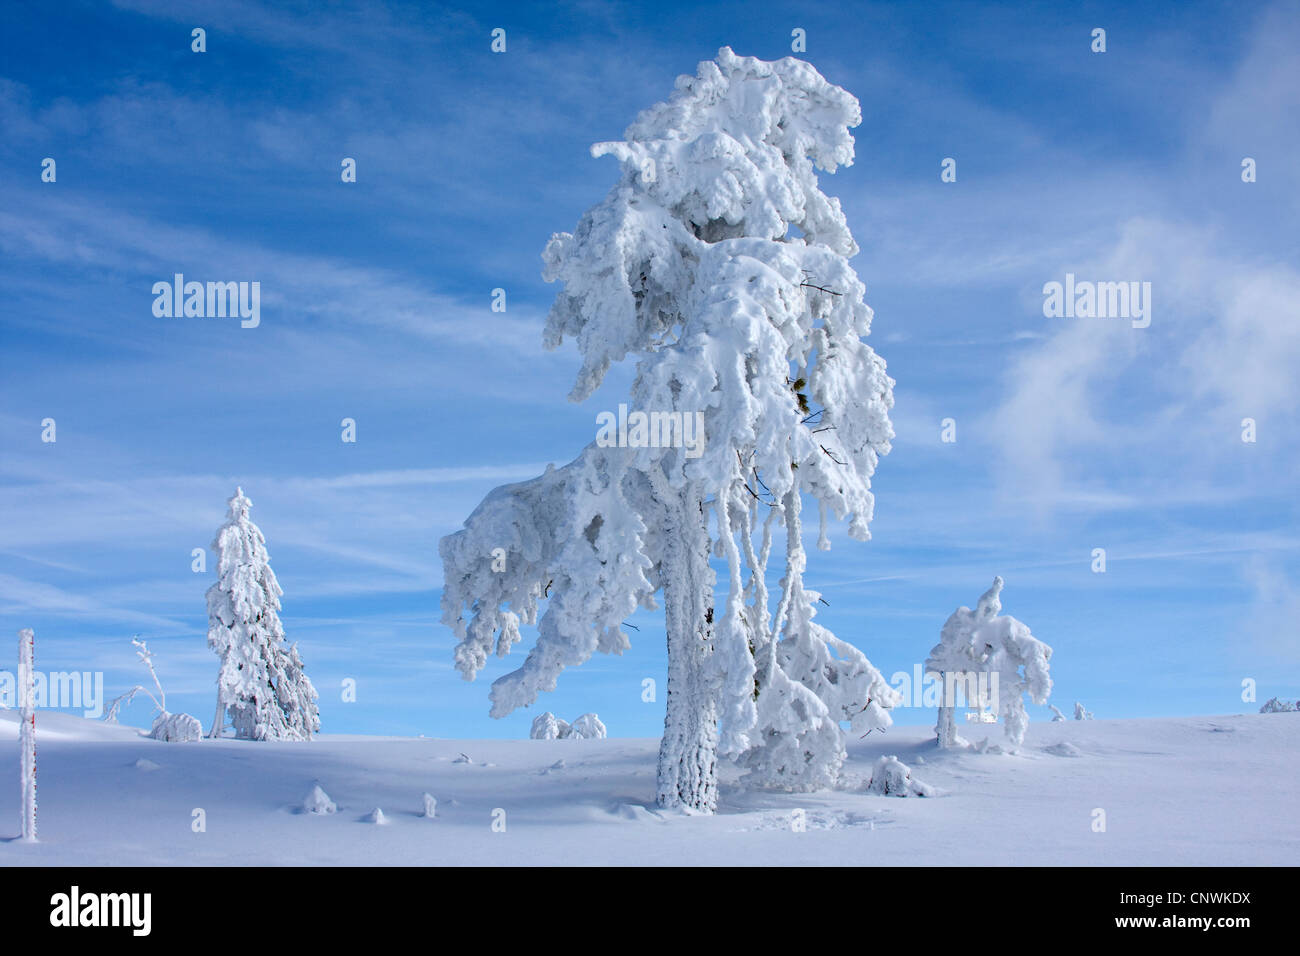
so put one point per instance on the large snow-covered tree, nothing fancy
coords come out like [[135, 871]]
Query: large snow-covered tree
[[261, 683], [718, 264], [986, 642]]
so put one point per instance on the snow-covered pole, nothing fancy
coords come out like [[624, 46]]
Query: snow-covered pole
[[27, 733]]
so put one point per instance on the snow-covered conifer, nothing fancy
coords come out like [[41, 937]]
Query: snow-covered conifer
[[261, 683], [979, 642], [1081, 712], [718, 264]]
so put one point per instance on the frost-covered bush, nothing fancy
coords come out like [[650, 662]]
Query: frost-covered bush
[[176, 728], [549, 727], [1081, 713], [893, 778], [719, 266], [318, 801], [261, 683], [1276, 706], [587, 727], [980, 642]]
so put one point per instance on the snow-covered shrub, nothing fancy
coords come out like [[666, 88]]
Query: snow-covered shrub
[[1080, 713], [318, 801], [720, 267], [893, 778], [176, 728], [261, 682], [979, 642], [548, 727], [1276, 706], [1056, 713], [587, 727], [430, 806]]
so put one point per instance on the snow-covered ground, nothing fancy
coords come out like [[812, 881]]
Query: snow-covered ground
[[1193, 790]]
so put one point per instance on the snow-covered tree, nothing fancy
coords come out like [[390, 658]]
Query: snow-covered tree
[[720, 266], [978, 642], [1081, 712], [261, 683], [1275, 705]]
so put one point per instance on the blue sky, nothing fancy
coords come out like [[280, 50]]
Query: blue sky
[[1072, 434]]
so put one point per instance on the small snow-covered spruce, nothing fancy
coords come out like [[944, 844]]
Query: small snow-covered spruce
[[719, 265], [166, 726], [430, 806], [1275, 705], [261, 683], [1056, 713], [982, 641], [1080, 713]]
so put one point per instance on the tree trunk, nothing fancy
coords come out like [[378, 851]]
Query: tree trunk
[[219, 721], [688, 753], [946, 728]]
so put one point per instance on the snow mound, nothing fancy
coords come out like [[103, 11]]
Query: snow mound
[[463, 758], [633, 811], [893, 778], [1063, 749], [377, 817], [318, 801], [146, 765]]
